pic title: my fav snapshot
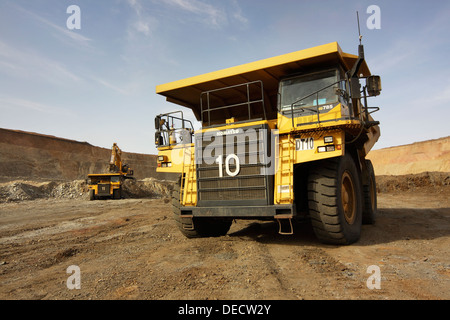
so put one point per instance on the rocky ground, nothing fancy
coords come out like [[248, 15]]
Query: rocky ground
[[132, 249], [22, 190]]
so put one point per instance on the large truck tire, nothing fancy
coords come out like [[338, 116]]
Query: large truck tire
[[197, 227], [117, 194], [335, 200], [91, 194], [370, 196]]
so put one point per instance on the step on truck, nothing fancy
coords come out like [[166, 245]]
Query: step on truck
[[283, 138]]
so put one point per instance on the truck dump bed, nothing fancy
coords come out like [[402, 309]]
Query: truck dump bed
[[187, 92]]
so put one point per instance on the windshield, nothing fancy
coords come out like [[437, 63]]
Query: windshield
[[294, 89]]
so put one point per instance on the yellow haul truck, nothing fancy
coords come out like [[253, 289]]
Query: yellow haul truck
[[281, 138], [109, 185]]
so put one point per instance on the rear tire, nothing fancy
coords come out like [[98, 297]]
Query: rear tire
[[370, 196], [335, 200], [197, 227], [91, 194]]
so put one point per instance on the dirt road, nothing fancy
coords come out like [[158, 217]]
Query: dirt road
[[131, 249]]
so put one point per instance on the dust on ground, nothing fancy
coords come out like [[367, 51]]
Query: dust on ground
[[132, 249]]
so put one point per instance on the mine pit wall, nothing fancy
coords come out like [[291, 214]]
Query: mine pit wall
[[416, 158], [38, 157], [31, 156]]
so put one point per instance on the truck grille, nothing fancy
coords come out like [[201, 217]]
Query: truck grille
[[249, 182], [104, 189]]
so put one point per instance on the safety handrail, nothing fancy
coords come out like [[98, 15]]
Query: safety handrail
[[208, 109], [169, 126]]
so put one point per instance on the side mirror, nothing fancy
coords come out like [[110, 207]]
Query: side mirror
[[373, 86], [157, 122]]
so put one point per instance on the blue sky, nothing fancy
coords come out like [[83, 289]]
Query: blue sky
[[97, 84]]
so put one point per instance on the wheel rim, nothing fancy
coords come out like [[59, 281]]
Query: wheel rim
[[348, 198]]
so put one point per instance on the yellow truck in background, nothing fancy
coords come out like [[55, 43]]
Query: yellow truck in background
[[109, 185], [281, 138]]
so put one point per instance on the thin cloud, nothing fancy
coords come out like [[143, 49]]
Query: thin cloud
[[24, 63], [27, 105], [109, 85], [419, 45], [210, 14], [238, 14], [69, 36], [144, 23], [430, 97], [399, 54], [213, 16]]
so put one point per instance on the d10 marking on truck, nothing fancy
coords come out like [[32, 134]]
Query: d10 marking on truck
[[304, 144]]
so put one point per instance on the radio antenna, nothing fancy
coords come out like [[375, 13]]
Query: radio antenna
[[359, 30], [354, 71]]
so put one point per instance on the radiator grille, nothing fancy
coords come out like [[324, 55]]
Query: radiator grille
[[250, 186], [104, 189]]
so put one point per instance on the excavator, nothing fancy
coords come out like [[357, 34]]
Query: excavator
[[109, 185]]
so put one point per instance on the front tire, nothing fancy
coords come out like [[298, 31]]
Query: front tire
[[335, 200], [91, 194], [197, 227], [117, 194]]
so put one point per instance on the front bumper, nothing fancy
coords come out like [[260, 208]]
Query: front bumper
[[240, 211]]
